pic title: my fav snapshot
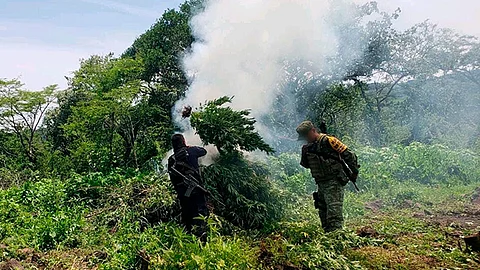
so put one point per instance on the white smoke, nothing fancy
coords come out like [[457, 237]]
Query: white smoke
[[242, 47]]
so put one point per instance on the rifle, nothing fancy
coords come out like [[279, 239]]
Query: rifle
[[191, 183], [349, 172]]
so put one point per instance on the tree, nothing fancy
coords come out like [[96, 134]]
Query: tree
[[105, 118], [22, 112], [341, 107], [405, 87], [365, 46], [413, 85], [161, 48]]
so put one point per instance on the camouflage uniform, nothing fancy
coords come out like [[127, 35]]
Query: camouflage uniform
[[329, 175]]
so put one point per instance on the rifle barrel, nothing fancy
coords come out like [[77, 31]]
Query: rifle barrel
[[191, 179]]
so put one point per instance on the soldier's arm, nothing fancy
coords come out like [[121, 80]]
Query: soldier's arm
[[171, 161], [198, 151], [346, 154], [304, 161]]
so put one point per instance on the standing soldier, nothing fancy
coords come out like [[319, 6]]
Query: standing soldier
[[185, 175], [324, 156]]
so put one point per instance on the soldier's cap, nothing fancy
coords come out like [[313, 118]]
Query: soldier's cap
[[303, 129]]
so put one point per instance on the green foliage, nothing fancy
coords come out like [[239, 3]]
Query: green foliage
[[15, 167], [170, 248], [163, 45], [427, 164], [81, 182], [341, 107], [127, 215], [227, 129], [305, 245], [36, 215], [248, 197], [22, 112], [102, 128], [106, 118], [287, 172]]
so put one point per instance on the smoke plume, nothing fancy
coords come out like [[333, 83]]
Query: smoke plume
[[242, 47]]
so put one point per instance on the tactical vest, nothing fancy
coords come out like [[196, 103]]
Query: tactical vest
[[179, 161], [321, 167]]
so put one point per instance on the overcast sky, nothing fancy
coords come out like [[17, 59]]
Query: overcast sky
[[41, 41]]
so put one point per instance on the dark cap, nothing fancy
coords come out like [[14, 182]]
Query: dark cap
[[303, 129]]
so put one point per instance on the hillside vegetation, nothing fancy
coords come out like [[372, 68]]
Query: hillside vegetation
[[82, 182]]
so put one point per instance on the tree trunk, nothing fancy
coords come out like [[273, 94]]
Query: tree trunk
[[374, 121]]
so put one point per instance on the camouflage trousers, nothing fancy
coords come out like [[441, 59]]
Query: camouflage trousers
[[330, 204]]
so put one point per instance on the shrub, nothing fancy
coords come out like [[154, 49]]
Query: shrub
[[168, 247], [426, 164], [248, 197], [286, 171]]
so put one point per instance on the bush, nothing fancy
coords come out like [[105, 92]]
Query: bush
[[304, 245], [286, 171], [426, 164], [168, 247], [248, 197], [131, 196], [37, 215], [51, 213]]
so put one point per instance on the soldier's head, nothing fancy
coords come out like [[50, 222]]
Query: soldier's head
[[178, 142], [307, 132]]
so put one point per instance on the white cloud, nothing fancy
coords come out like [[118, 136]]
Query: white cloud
[[125, 8]]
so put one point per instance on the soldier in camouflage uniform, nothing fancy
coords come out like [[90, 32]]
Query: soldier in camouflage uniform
[[322, 155]]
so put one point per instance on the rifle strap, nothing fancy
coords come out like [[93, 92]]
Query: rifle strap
[[190, 169]]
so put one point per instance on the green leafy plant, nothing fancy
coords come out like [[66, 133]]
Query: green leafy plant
[[227, 129], [243, 187], [249, 199]]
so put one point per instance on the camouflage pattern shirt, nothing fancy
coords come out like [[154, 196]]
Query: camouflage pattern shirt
[[321, 157]]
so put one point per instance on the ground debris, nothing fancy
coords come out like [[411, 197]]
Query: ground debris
[[101, 255], [367, 231], [287, 266], [473, 242], [143, 260], [374, 206], [11, 265], [266, 257], [476, 196], [410, 204]]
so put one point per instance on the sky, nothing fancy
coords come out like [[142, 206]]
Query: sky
[[42, 41]]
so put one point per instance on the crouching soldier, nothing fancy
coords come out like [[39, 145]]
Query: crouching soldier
[[327, 157]]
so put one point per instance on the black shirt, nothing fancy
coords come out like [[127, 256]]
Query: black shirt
[[194, 153]]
